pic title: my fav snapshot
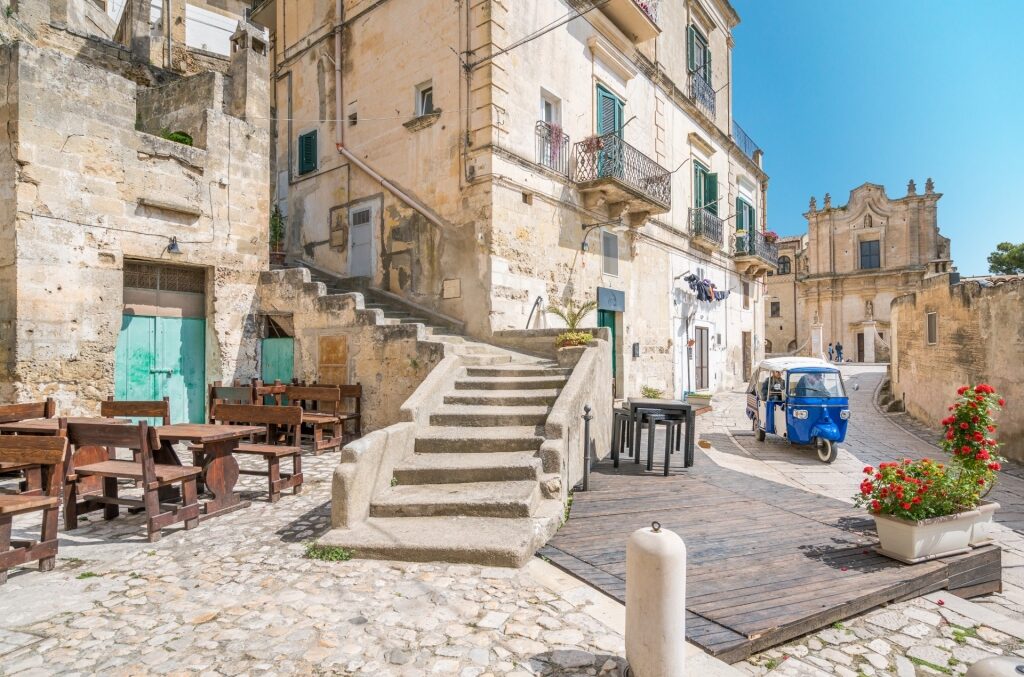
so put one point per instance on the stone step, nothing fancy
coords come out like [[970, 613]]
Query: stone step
[[514, 398], [453, 468], [470, 499], [521, 370], [485, 360], [511, 383], [441, 440], [414, 320], [484, 541], [471, 415]]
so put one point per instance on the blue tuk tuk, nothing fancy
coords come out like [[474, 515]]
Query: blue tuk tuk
[[801, 399]]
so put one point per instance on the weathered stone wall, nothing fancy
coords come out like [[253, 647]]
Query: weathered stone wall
[[181, 106], [390, 361], [89, 190], [980, 340]]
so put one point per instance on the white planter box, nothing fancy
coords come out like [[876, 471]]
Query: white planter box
[[913, 542], [982, 533]]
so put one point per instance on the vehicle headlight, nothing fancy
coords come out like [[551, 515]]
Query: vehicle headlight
[[844, 414], [800, 413]]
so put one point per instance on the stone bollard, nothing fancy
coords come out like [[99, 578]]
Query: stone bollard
[[1000, 666], [655, 603]]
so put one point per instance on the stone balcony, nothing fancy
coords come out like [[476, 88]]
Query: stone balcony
[[609, 170], [754, 254], [706, 230], [637, 19]]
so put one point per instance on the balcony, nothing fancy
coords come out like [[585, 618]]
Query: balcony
[[638, 19], [706, 230], [746, 144], [703, 94], [263, 13], [755, 255], [609, 168], [552, 147]]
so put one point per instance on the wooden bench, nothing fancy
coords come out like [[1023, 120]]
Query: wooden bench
[[11, 413], [280, 421], [48, 454], [142, 441], [236, 394], [320, 411]]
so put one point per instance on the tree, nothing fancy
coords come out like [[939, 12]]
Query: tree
[[1007, 259], [571, 313]]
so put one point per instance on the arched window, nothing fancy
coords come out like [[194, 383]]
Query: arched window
[[767, 346], [785, 265]]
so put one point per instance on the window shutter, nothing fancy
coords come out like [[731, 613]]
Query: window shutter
[[711, 192], [610, 251], [691, 57], [741, 214], [707, 64], [307, 152]]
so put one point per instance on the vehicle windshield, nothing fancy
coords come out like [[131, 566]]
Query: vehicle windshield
[[816, 384]]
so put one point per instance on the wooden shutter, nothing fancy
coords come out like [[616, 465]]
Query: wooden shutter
[[711, 192], [699, 174], [307, 152], [691, 46], [609, 112], [741, 214]]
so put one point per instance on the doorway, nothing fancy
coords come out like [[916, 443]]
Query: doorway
[[748, 347], [360, 241], [701, 372], [606, 318], [860, 346]]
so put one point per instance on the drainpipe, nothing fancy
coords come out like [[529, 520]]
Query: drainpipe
[[415, 204]]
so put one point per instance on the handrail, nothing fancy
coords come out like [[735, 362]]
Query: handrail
[[756, 244], [744, 141], [609, 156], [702, 93], [539, 301], [707, 225]]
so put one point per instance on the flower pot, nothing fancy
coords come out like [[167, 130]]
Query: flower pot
[[570, 355], [912, 542], [981, 534]]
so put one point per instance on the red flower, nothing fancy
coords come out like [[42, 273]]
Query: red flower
[[917, 499], [995, 466], [949, 434], [950, 408], [981, 456], [964, 426], [991, 428], [868, 470], [940, 602], [965, 449], [974, 419], [1002, 402], [905, 506], [876, 506], [978, 437], [984, 388], [961, 390]]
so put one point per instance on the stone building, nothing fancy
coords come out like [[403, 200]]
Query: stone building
[[853, 261], [950, 333], [431, 149], [134, 210]]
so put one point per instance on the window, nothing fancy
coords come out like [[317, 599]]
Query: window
[[609, 112], [745, 216], [776, 309], [870, 256], [610, 251], [933, 328], [816, 384], [746, 295], [705, 188], [550, 108], [360, 217], [698, 54], [307, 152], [785, 265], [425, 99]]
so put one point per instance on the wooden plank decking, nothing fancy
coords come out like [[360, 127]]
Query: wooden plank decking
[[766, 562]]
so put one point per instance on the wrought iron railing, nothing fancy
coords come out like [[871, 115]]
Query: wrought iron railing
[[552, 147], [706, 224], [702, 93], [756, 244], [648, 7], [745, 143], [609, 157]]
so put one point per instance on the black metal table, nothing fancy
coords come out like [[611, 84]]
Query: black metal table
[[684, 408]]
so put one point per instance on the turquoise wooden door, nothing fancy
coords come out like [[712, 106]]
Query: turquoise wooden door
[[160, 357], [278, 360], [606, 318]]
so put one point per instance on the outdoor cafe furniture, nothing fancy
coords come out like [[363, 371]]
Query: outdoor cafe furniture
[[673, 408], [320, 411], [9, 413], [48, 454], [654, 417], [285, 422], [236, 394], [622, 431], [142, 441]]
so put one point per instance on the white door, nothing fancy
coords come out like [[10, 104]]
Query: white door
[[360, 242]]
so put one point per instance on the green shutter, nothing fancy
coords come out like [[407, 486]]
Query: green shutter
[[691, 46], [699, 174], [307, 152], [707, 64], [711, 192], [609, 112], [741, 215]]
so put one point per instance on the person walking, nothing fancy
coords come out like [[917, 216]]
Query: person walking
[[839, 352], [830, 352]]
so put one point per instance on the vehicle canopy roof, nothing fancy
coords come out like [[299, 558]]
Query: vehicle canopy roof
[[789, 363]]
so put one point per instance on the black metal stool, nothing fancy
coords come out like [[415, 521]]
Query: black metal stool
[[673, 430], [622, 432]]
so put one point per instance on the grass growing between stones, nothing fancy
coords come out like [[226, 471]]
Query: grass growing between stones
[[960, 634], [933, 666], [86, 574], [327, 553]]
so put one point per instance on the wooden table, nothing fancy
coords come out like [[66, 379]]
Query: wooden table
[[40, 426], [220, 469], [665, 405]]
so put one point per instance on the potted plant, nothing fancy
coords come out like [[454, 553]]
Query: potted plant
[[592, 144], [555, 136], [571, 340], [925, 509], [771, 237], [276, 236]]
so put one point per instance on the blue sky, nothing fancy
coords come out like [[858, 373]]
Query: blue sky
[[839, 92]]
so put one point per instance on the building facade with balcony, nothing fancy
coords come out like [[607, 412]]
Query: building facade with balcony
[[836, 283], [487, 159]]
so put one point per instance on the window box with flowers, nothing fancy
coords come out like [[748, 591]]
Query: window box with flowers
[[925, 509], [771, 237]]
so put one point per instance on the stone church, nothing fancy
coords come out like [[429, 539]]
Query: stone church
[[835, 284]]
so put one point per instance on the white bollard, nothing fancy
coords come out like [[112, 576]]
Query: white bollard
[[656, 603], [999, 666]]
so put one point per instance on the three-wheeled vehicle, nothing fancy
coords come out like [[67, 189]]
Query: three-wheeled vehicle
[[801, 399]]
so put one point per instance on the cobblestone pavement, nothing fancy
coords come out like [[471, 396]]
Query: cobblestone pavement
[[915, 633], [237, 596]]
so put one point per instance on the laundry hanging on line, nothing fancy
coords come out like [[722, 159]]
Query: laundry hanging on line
[[705, 289]]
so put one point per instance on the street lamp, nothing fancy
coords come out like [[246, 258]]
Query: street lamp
[[616, 224]]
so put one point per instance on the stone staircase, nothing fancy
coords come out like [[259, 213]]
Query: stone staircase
[[475, 489]]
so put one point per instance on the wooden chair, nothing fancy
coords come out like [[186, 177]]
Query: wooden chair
[[354, 414], [286, 422], [142, 440], [161, 409], [11, 413], [320, 411], [49, 454], [272, 393], [236, 394]]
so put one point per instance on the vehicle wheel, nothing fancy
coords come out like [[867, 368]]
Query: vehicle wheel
[[827, 450], [758, 432]]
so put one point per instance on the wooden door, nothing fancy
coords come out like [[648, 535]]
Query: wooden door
[[278, 360], [606, 318], [701, 371], [360, 239], [860, 347]]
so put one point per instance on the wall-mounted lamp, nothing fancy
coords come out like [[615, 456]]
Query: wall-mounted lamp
[[172, 246], [616, 225]]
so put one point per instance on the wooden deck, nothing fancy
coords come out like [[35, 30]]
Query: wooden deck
[[766, 562]]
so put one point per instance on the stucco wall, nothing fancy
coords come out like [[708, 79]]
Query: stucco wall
[[980, 340], [390, 361]]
